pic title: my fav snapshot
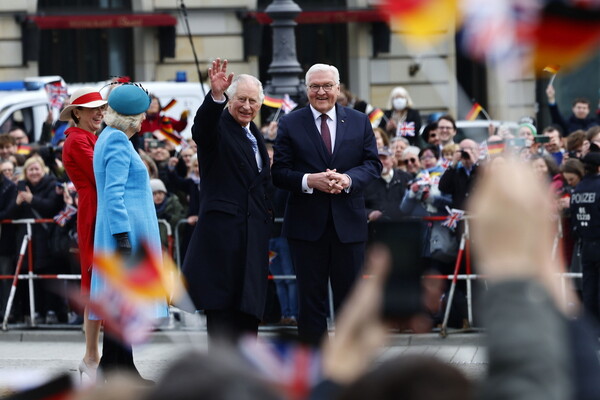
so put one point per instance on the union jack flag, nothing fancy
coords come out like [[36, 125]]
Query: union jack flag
[[445, 163], [452, 221], [65, 215], [406, 129], [424, 178], [57, 94], [288, 104]]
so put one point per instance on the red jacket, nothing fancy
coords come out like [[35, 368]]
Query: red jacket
[[78, 153]]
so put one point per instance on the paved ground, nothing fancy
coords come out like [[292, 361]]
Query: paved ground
[[54, 351]]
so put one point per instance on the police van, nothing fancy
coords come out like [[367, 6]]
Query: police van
[[26, 103]]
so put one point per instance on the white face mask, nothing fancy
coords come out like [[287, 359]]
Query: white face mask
[[399, 103]]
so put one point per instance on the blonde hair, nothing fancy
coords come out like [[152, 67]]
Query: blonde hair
[[122, 122], [450, 148], [29, 162], [400, 91]]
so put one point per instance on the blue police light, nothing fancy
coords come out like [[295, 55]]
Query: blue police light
[[12, 85]]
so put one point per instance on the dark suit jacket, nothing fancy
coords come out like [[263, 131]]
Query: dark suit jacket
[[299, 149], [226, 265]]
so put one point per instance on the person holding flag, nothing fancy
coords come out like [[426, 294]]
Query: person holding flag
[[580, 117], [401, 119], [160, 125]]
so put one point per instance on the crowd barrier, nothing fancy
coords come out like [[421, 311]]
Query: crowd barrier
[[174, 249], [30, 276]]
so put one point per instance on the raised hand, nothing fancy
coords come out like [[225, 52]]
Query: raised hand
[[219, 80]]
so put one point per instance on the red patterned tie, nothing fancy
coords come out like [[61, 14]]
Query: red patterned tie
[[325, 133]]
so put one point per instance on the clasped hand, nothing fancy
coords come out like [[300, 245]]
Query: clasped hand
[[329, 181]]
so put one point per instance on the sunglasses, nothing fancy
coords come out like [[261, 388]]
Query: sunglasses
[[410, 160]]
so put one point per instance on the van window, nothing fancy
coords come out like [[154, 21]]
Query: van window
[[22, 118]]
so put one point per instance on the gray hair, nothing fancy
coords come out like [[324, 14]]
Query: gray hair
[[411, 150], [323, 68], [122, 122], [400, 91], [232, 89]]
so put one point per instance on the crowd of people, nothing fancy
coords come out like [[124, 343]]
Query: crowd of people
[[329, 172]]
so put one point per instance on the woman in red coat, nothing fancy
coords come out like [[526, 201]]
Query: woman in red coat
[[86, 109]]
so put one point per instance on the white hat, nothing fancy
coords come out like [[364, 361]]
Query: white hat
[[87, 97], [157, 186]]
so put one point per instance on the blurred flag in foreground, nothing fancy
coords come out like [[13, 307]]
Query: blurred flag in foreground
[[375, 116], [147, 276], [566, 33], [552, 68], [421, 20]]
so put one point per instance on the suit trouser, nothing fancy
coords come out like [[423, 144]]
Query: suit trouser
[[316, 263], [229, 325]]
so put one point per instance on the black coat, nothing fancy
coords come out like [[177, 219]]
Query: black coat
[[458, 185], [386, 197], [411, 116], [8, 195], [226, 265], [572, 123], [46, 203]]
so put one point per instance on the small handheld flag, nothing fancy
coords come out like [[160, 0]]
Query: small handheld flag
[[375, 116], [553, 69], [272, 102], [65, 215], [452, 221], [288, 104], [474, 112]]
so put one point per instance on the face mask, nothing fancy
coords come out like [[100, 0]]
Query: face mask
[[399, 103]]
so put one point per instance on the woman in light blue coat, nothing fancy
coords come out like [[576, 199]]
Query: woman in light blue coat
[[126, 216]]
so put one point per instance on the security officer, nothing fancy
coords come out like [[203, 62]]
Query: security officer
[[585, 215]]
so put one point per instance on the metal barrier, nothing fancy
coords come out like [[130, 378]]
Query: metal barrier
[[26, 248]]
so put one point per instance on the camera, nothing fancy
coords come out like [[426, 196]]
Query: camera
[[464, 155]]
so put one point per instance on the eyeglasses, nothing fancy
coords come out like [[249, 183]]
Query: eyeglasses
[[327, 87], [7, 170], [410, 160], [445, 128], [427, 157]]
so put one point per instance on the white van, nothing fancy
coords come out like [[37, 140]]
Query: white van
[[27, 104]]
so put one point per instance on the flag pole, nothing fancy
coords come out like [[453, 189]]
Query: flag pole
[[275, 118], [485, 114]]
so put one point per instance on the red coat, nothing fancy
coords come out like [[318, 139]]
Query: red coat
[[77, 157]]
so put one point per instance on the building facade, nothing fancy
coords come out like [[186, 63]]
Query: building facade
[[92, 40]]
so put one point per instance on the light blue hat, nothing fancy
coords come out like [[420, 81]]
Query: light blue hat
[[129, 99]]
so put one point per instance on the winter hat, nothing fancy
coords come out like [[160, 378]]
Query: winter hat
[[530, 126], [129, 99], [157, 186]]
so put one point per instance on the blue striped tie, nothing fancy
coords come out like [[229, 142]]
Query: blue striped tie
[[252, 139]]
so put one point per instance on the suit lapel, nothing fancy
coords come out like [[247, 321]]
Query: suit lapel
[[311, 130], [238, 134]]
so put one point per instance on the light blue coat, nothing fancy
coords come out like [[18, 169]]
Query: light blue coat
[[125, 201]]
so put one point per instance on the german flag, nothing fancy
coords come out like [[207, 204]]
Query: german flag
[[421, 20], [169, 105], [147, 276], [552, 68], [272, 102], [566, 34], [166, 128], [375, 115], [24, 149], [474, 112], [495, 147]]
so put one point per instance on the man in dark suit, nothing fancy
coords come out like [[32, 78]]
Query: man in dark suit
[[226, 265], [325, 155]]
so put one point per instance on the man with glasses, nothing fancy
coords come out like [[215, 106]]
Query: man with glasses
[[446, 130], [325, 156]]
